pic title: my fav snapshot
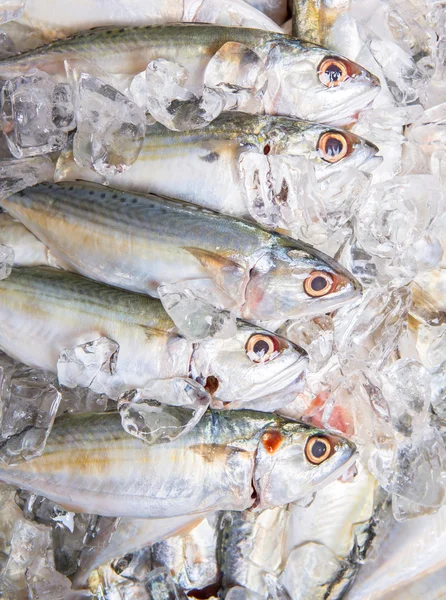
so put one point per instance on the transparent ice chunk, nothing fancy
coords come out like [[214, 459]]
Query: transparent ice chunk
[[31, 109], [16, 175], [403, 75], [110, 128], [172, 104], [43, 581], [29, 404], [91, 365], [282, 191], [29, 542], [407, 389], [6, 261], [315, 336], [187, 303], [162, 587], [367, 332], [144, 415], [397, 214], [418, 471], [7, 46], [11, 9], [240, 74]]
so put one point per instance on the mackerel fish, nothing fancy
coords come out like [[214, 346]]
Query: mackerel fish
[[202, 159], [231, 460], [44, 311], [303, 80], [140, 243], [45, 21]]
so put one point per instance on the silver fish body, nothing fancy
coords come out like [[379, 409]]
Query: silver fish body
[[191, 558], [202, 159], [140, 243], [49, 20], [251, 546], [228, 461], [296, 85], [28, 250], [44, 311], [409, 564], [329, 539]]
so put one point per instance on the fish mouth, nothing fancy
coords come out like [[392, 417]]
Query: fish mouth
[[279, 383], [348, 111]]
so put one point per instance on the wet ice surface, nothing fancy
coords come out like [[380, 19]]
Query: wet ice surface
[[144, 416], [110, 127], [36, 114]]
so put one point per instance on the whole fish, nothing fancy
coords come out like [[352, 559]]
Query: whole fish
[[251, 546], [303, 80], [409, 564], [230, 461], [44, 311], [140, 243], [202, 159], [329, 540], [191, 557], [49, 20]]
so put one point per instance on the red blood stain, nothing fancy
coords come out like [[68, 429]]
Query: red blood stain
[[272, 440]]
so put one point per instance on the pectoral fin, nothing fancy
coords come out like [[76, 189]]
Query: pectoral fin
[[228, 275]]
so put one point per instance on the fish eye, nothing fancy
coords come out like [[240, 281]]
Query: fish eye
[[261, 347], [318, 449], [318, 284], [333, 146], [332, 71]]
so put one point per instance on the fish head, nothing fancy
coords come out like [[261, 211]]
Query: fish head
[[309, 82], [329, 149], [295, 281], [250, 365], [294, 460]]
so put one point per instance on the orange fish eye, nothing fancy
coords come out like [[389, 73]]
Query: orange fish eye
[[318, 449], [260, 347], [318, 284], [333, 146], [332, 71]]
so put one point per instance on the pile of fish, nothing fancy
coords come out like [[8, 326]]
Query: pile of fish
[[222, 299]]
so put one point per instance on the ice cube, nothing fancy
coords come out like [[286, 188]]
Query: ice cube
[[148, 419], [6, 261], [29, 542], [30, 112], [418, 471], [282, 191], [11, 9], [403, 75], [7, 46], [43, 581], [407, 389], [16, 175], [340, 194], [367, 332], [315, 336], [162, 587], [110, 127], [397, 214], [240, 74], [91, 365], [196, 310], [29, 403], [172, 104]]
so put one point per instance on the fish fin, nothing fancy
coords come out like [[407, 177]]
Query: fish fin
[[229, 275], [151, 332]]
